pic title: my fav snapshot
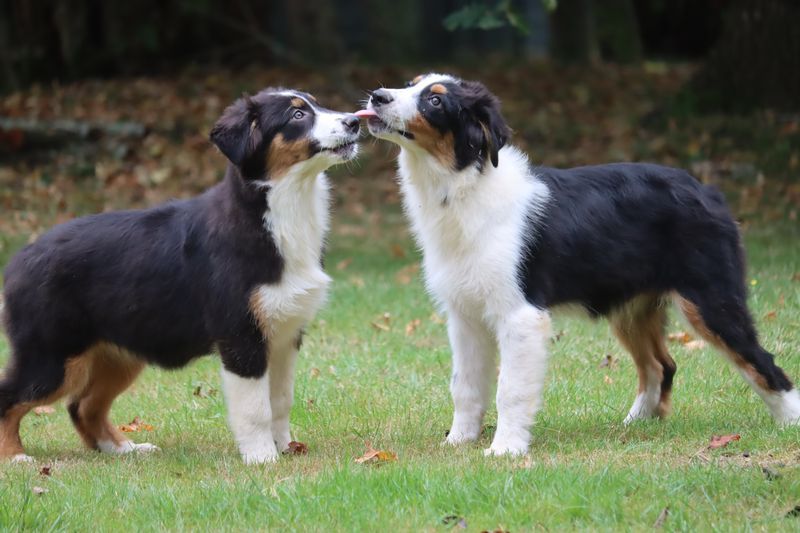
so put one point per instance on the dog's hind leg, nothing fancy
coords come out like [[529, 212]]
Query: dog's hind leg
[[29, 383], [722, 318], [112, 372], [639, 326]]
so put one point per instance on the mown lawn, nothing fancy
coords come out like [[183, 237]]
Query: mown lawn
[[368, 376]]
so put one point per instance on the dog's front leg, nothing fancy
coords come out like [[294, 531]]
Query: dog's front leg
[[522, 336], [281, 386], [473, 370], [245, 383]]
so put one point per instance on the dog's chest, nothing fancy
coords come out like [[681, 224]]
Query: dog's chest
[[298, 222]]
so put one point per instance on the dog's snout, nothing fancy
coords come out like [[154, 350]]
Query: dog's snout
[[381, 97], [351, 123]]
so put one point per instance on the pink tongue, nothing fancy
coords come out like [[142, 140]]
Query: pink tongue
[[361, 113]]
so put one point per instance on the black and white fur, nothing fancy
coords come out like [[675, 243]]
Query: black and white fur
[[237, 269], [504, 242]]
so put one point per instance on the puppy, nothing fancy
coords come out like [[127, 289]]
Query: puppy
[[504, 242], [237, 270]]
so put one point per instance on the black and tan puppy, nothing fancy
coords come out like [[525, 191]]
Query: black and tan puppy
[[237, 269]]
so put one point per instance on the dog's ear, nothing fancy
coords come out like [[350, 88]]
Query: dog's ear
[[489, 131], [238, 136]]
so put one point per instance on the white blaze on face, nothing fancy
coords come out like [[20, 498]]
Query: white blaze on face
[[329, 129], [404, 104]]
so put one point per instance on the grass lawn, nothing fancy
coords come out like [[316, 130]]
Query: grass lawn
[[368, 376]]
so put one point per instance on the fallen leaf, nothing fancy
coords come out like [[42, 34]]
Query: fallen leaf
[[608, 361], [44, 410], [373, 456], [662, 517], [771, 315], [796, 276], [382, 327], [412, 326], [407, 273], [398, 251], [344, 263], [314, 372], [680, 336], [383, 322], [608, 380], [136, 425], [436, 319], [358, 281], [296, 448], [38, 490], [454, 521], [722, 441], [203, 391], [695, 345]]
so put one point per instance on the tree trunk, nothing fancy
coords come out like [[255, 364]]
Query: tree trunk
[[574, 35], [618, 32], [756, 62]]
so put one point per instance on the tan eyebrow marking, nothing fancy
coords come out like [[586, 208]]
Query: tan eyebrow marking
[[438, 88], [298, 102], [313, 98], [417, 79]]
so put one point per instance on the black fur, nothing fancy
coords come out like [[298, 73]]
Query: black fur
[[611, 232], [168, 283], [471, 113]]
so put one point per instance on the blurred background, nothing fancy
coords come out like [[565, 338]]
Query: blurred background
[[105, 105]]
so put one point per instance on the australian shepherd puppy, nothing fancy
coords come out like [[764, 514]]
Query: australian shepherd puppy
[[237, 269], [504, 242]]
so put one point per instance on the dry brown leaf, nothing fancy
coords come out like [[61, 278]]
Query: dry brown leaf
[[407, 273], [44, 410], [680, 336], [136, 425], [662, 517], [412, 326], [695, 345], [771, 315], [373, 456], [296, 448], [608, 361], [796, 276], [344, 263], [383, 322], [722, 441], [608, 380], [436, 319], [45, 471], [398, 251]]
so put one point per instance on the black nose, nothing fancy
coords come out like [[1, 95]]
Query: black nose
[[381, 97], [351, 123]]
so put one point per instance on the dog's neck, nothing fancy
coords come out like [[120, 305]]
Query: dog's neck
[[447, 207], [297, 215]]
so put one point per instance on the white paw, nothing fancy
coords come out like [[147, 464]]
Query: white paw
[[282, 442], [512, 447], [260, 458], [21, 458], [146, 447], [645, 406], [456, 437]]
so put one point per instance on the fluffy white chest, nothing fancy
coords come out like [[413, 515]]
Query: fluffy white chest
[[298, 221], [471, 228]]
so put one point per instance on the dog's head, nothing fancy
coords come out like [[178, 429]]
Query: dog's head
[[458, 122], [276, 132]]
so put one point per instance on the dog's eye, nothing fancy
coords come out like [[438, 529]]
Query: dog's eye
[[435, 101], [297, 115]]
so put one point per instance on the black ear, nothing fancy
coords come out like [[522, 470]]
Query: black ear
[[490, 127], [237, 134]]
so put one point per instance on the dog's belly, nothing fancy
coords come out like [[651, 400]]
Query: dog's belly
[[283, 308]]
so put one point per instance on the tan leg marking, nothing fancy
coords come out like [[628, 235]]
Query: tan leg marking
[[76, 374], [112, 372], [692, 314]]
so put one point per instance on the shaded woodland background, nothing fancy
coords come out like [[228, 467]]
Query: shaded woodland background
[[106, 105]]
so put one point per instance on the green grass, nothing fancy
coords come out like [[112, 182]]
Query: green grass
[[358, 383]]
